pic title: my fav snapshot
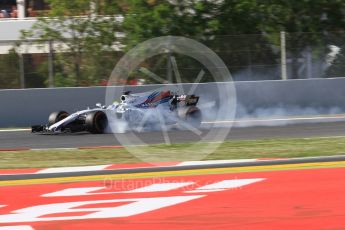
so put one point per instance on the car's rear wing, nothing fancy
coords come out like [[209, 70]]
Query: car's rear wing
[[189, 100]]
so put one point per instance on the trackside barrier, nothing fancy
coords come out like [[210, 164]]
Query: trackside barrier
[[24, 107]]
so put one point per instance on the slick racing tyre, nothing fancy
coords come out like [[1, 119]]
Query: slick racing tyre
[[194, 116], [96, 122], [56, 117]]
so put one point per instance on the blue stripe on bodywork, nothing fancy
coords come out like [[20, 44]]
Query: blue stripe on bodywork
[[146, 105]]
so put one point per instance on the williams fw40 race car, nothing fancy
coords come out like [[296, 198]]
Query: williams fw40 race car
[[153, 110]]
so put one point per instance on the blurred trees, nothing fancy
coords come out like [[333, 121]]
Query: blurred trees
[[310, 23], [86, 41], [309, 20], [152, 18], [209, 22], [9, 74], [244, 33]]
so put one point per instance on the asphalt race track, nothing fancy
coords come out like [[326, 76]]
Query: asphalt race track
[[25, 139]]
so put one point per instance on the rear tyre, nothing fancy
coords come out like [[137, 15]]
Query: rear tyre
[[96, 122], [194, 116], [56, 117]]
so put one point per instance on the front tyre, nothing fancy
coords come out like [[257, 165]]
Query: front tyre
[[56, 117], [96, 122]]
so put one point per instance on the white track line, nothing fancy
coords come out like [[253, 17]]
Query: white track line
[[13, 130], [211, 162], [17, 227], [104, 167], [342, 117], [50, 149], [74, 169]]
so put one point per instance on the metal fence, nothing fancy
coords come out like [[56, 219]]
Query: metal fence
[[40, 64]]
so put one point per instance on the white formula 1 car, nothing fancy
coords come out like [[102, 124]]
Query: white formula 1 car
[[153, 109]]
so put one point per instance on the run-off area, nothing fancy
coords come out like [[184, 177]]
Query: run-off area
[[289, 199]]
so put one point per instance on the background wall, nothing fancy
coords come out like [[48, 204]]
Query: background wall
[[254, 99]]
